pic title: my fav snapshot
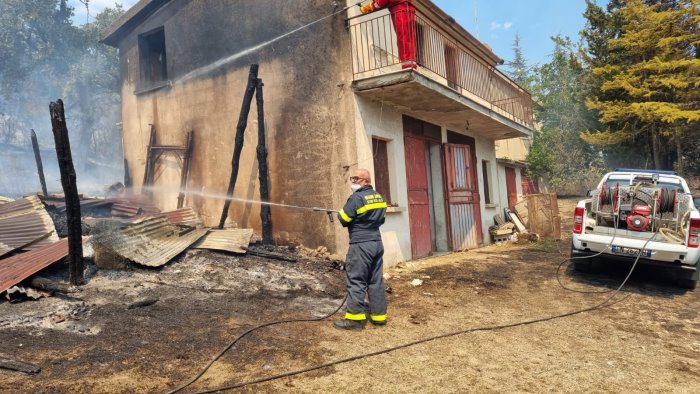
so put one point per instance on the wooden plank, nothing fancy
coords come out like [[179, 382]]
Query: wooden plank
[[15, 365]]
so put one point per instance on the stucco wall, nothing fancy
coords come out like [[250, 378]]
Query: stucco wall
[[485, 150], [308, 109], [386, 123]]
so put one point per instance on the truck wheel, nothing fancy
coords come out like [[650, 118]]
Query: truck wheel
[[688, 283]]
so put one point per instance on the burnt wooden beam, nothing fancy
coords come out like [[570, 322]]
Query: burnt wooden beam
[[148, 171], [70, 190], [127, 176], [47, 284], [39, 166], [263, 173], [240, 131], [270, 255], [20, 366], [185, 172]]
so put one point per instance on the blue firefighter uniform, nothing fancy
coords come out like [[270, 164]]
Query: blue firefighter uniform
[[362, 214]]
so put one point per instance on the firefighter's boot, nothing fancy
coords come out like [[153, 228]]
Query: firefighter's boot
[[346, 324]]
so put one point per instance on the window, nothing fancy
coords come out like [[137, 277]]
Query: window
[[152, 56], [381, 168], [487, 187]]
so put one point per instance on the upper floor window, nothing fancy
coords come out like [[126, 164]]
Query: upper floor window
[[152, 58]]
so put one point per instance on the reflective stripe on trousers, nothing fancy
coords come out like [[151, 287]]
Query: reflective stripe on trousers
[[364, 274]]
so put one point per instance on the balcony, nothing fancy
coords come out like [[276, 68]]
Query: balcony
[[455, 79]]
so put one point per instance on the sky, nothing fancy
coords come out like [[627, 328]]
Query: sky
[[498, 22]]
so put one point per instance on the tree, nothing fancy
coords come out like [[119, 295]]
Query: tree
[[518, 69], [646, 73], [43, 56], [558, 153]]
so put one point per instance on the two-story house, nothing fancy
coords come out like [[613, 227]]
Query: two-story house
[[336, 98]]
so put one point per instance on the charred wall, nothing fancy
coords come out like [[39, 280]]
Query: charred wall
[[308, 105]]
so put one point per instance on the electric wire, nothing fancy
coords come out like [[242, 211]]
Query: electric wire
[[230, 345]]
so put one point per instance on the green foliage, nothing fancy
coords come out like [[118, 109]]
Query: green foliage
[[43, 57], [645, 74], [558, 154]]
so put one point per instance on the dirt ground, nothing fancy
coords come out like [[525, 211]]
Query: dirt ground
[[649, 342]]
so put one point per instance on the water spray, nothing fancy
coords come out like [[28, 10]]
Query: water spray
[[224, 61], [224, 197]]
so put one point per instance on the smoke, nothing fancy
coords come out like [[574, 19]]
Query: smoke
[[70, 65]]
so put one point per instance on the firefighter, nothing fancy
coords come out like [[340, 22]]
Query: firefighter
[[362, 214], [403, 16]]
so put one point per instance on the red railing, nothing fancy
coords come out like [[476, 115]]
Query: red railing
[[375, 48]]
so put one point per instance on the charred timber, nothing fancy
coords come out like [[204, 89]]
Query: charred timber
[[240, 131], [261, 151], [39, 166], [185, 172], [70, 190], [127, 176]]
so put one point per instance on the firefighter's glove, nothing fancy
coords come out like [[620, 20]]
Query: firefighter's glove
[[367, 7]]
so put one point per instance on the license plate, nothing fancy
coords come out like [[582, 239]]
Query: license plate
[[630, 251]]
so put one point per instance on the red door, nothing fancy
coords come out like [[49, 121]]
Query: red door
[[462, 195], [418, 198], [510, 187]]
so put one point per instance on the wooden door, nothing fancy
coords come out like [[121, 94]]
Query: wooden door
[[462, 195], [510, 187], [418, 197]]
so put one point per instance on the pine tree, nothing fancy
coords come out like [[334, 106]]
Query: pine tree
[[518, 69], [648, 73]]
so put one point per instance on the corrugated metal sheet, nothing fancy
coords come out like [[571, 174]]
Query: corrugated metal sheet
[[127, 206], [25, 224], [231, 240], [17, 268], [463, 227], [183, 216], [151, 242]]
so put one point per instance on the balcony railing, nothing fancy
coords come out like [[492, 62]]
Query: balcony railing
[[439, 56]]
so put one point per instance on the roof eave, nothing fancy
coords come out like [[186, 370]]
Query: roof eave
[[131, 18]]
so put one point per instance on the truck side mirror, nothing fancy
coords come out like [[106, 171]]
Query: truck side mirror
[[589, 193]]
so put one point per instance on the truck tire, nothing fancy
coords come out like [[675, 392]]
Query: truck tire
[[689, 284], [581, 265]]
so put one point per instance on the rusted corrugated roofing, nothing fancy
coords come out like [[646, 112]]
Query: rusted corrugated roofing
[[25, 224], [126, 206], [152, 242], [232, 240], [17, 268], [183, 216]]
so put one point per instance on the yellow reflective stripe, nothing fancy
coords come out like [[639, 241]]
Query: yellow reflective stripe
[[345, 216], [369, 207], [355, 316], [378, 317]]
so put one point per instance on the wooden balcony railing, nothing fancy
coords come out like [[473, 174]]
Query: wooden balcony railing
[[438, 55]]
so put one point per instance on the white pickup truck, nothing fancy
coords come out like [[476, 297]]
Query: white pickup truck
[[640, 213]]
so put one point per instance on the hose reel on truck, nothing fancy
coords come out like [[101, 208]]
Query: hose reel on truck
[[643, 207]]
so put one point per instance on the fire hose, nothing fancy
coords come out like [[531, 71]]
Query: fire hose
[[607, 302]]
